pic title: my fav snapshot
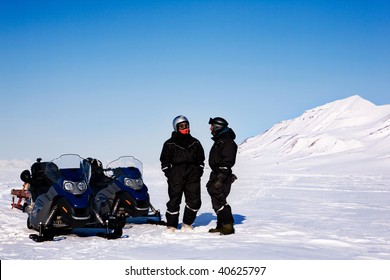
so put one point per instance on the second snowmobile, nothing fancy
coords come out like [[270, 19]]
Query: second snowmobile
[[120, 191]]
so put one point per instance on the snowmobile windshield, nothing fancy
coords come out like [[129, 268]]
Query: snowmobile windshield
[[126, 162], [126, 167], [69, 167]]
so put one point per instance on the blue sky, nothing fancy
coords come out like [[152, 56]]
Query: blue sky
[[106, 78]]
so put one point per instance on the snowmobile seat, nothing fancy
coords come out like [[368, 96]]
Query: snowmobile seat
[[25, 176], [40, 183], [98, 180]]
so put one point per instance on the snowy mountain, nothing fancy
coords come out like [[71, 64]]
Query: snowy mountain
[[348, 130]]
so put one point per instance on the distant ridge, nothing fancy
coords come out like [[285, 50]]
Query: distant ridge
[[348, 126]]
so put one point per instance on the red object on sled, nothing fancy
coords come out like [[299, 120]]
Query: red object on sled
[[20, 194]]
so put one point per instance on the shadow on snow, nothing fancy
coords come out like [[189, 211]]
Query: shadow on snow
[[204, 219]]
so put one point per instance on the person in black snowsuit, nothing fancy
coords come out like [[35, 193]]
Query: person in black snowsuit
[[221, 160], [182, 161]]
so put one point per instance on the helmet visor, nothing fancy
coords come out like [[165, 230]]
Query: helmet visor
[[182, 125]]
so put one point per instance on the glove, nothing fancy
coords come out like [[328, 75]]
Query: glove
[[233, 178], [218, 184], [221, 177], [167, 171]]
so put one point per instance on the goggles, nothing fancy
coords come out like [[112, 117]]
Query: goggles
[[182, 125]]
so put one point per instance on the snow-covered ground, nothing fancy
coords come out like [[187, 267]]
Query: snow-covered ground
[[278, 216], [313, 188]]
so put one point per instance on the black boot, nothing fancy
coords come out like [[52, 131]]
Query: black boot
[[219, 225], [217, 229], [227, 229], [172, 219], [189, 215], [227, 220]]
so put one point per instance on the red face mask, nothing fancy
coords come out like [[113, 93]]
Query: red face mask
[[184, 131], [183, 128]]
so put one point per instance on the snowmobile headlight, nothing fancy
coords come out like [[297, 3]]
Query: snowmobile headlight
[[82, 186], [68, 185], [139, 182], [135, 184], [128, 182]]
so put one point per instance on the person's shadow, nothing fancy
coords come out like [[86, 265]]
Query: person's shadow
[[205, 218]]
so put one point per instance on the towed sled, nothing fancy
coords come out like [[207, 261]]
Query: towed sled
[[121, 192], [23, 195], [58, 198]]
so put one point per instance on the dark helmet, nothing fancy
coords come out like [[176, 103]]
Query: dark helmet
[[179, 119], [218, 124]]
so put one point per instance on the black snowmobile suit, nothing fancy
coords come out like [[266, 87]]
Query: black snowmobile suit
[[182, 160], [222, 158]]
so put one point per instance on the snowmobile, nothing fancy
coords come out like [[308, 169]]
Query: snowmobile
[[121, 191], [60, 199]]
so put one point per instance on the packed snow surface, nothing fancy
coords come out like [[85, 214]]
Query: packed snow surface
[[314, 187]]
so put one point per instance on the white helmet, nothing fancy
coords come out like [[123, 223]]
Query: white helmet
[[177, 120]]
